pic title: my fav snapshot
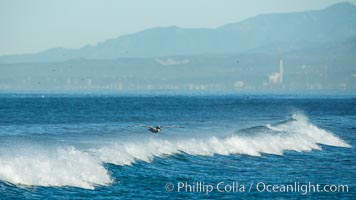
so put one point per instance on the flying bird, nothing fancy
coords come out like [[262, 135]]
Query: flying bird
[[157, 129]]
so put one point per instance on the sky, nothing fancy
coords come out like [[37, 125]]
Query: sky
[[30, 26]]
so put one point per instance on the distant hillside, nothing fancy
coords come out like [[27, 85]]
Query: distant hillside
[[279, 33]]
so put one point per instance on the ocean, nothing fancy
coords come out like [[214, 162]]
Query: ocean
[[71, 146]]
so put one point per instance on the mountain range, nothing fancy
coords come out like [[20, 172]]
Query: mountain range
[[331, 30]]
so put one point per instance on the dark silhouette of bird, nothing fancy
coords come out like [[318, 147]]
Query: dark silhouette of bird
[[157, 129]]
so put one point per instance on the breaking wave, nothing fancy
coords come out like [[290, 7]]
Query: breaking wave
[[63, 167], [84, 167]]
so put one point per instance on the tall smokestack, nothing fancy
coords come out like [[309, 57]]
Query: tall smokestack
[[281, 71]]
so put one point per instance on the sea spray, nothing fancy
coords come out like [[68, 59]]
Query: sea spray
[[71, 166]]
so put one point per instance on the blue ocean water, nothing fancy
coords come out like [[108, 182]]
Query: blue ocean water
[[218, 147]]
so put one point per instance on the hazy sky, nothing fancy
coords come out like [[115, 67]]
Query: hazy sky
[[28, 26]]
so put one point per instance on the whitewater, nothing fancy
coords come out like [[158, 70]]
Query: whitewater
[[58, 164]]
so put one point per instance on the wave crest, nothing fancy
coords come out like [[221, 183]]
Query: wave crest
[[84, 168], [296, 135], [64, 167]]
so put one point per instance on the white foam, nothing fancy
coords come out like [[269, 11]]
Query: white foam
[[64, 167], [84, 168], [298, 135]]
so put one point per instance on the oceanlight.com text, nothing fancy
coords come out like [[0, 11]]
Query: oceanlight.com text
[[260, 187]]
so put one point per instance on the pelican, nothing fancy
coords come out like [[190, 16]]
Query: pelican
[[156, 129]]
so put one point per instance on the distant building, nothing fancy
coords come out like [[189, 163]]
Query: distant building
[[276, 77], [281, 71]]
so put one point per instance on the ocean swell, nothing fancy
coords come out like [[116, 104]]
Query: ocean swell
[[83, 168]]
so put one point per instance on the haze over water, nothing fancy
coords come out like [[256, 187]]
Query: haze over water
[[253, 100]]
